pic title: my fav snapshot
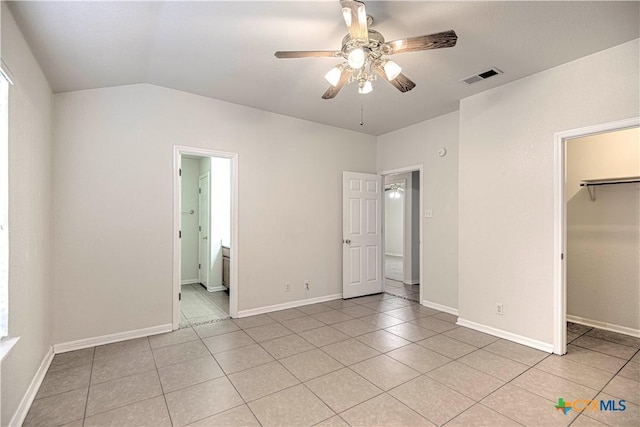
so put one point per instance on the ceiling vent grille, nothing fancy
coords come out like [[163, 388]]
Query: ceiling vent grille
[[484, 75]]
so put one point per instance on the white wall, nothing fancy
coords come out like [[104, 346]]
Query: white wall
[[418, 145], [506, 182], [394, 222], [30, 109], [603, 237], [189, 243], [220, 230], [290, 180]]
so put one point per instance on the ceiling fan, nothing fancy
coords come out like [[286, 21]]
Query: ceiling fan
[[365, 49]]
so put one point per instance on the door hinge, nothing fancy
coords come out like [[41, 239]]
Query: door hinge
[[199, 228], [179, 296], [199, 266], [199, 190], [180, 234], [180, 171], [561, 256]]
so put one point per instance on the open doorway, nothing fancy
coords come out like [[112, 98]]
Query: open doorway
[[402, 234], [597, 233], [205, 250]]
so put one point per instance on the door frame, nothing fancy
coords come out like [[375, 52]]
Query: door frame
[[560, 222], [207, 256], [414, 168], [234, 287]]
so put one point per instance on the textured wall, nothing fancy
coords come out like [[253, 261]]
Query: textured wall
[[506, 182]]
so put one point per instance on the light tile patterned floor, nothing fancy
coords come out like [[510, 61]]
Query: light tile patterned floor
[[200, 306], [410, 292], [337, 364]]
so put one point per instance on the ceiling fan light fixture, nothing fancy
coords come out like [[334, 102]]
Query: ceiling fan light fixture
[[392, 70], [365, 87], [356, 58], [333, 75]]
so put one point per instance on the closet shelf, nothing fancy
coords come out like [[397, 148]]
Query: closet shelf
[[592, 183]]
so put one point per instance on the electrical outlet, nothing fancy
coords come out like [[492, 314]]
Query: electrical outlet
[[287, 287], [499, 309], [306, 285]]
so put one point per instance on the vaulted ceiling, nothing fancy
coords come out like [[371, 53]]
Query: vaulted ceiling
[[224, 50]]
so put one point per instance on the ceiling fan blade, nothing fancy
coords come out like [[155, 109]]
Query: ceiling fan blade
[[333, 90], [355, 16], [402, 82], [306, 54], [428, 42]]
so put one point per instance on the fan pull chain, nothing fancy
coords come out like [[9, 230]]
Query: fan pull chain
[[361, 115]]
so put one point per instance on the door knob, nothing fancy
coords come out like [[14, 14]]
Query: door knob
[[204, 238], [348, 242]]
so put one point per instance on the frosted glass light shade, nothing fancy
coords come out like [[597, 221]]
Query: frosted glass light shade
[[392, 70], [333, 76], [346, 13], [356, 58], [365, 88]]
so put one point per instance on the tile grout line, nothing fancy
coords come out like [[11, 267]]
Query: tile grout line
[[164, 395], [86, 404]]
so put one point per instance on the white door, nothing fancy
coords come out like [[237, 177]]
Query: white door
[[203, 230], [362, 234]]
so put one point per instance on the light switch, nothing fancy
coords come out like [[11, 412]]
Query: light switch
[[428, 213]]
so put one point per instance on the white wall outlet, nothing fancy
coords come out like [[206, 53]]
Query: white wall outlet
[[306, 285], [287, 287], [499, 309], [428, 213]]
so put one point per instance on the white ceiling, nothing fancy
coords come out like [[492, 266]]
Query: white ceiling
[[224, 50]]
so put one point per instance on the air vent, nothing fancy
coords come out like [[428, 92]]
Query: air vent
[[481, 76]]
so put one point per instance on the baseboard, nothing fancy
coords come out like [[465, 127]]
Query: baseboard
[[539, 345], [604, 325], [440, 307], [189, 282], [411, 282], [108, 339], [286, 305], [394, 255], [23, 408], [217, 288]]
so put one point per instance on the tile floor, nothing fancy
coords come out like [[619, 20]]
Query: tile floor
[[199, 306], [372, 361], [411, 292]]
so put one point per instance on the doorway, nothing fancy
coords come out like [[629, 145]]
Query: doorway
[[401, 233], [597, 234], [205, 244]]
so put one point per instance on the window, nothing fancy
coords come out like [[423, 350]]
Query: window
[[4, 203]]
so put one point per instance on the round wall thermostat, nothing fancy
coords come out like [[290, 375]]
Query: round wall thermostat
[[442, 152]]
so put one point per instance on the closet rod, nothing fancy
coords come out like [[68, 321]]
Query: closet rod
[[606, 181]]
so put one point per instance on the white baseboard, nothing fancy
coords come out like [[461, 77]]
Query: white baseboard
[[108, 339], [604, 325], [190, 282], [440, 307], [286, 305], [539, 345], [217, 288], [394, 255], [32, 391], [411, 282]]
